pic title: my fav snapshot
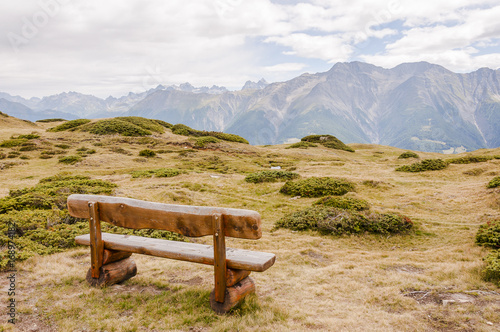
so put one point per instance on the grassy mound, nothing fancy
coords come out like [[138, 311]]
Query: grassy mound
[[495, 182], [147, 124], [271, 176], [345, 203], [328, 141], [10, 143], [317, 187], [159, 173], [114, 126], [36, 221], [408, 154], [180, 129], [492, 270], [302, 145], [330, 220], [51, 120], [147, 153], [204, 140], [69, 125], [70, 160], [469, 160], [424, 165]]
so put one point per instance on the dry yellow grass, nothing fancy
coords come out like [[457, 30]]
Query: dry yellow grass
[[353, 283]]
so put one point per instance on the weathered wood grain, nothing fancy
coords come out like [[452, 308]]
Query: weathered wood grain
[[219, 257], [238, 259], [234, 295], [235, 276], [97, 247], [111, 256], [113, 273], [188, 220]]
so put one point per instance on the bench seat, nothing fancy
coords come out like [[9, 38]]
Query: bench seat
[[238, 259]]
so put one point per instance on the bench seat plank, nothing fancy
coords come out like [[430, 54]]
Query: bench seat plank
[[192, 252]]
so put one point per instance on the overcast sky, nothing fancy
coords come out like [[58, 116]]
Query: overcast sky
[[112, 47]]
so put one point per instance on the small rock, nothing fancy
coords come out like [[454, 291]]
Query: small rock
[[275, 167]]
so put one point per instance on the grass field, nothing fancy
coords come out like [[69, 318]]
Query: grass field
[[427, 280]]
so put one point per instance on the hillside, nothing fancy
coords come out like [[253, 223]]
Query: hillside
[[427, 279], [416, 106]]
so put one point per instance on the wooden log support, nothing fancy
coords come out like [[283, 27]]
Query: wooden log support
[[113, 273], [233, 296], [235, 276], [219, 257], [111, 256], [96, 244]]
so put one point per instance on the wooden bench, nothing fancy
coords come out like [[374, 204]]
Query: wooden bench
[[110, 253]]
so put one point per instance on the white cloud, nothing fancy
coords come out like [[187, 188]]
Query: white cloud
[[115, 46]]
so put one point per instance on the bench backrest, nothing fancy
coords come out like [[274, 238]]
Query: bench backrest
[[192, 221]]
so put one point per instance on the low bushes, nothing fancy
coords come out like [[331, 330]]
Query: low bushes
[[69, 125], [488, 235], [330, 220], [492, 270], [147, 124], [271, 176], [51, 120], [9, 143], [328, 141], [39, 221], [70, 160], [469, 159], [408, 154], [424, 165], [115, 126], [180, 129], [317, 187], [147, 153], [346, 203], [495, 182], [302, 145], [204, 140]]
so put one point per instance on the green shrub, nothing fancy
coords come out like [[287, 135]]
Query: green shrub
[[495, 182], [62, 146], [51, 120], [330, 220], [488, 234], [13, 154], [163, 123], [69, 125], [204, 140], [271, 176], [328, 141], [180, 129], [70, 160], [114, 126], [147, 153], [317, 187], [27, 136], [469, 160], [346, 203], [42, 223], [160, 173], [424, 165], [492, 269], [147, 124], [10, 143], [28, 148], [225, 136], [408, 154], [302, 145]]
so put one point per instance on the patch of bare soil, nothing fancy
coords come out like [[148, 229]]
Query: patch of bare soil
[[447, 297]]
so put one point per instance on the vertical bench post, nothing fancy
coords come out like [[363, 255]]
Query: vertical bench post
[[219, 257], [96, 244]]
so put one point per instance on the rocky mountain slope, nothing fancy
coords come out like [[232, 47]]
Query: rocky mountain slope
[[417, 106]]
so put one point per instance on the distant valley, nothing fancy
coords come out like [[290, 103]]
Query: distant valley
[[416, 106]]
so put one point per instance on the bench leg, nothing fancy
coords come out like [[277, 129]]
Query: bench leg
[[113, 273], [234, 295]]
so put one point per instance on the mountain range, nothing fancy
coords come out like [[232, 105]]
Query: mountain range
[[417, 106]]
